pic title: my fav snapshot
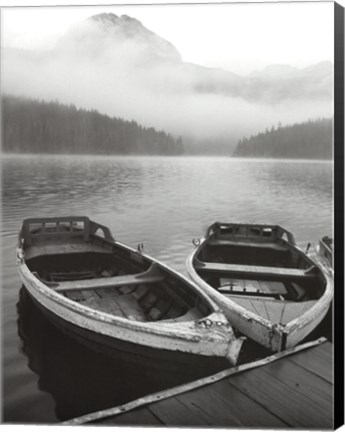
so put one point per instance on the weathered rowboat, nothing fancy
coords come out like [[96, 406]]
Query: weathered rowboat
[[81, 377], [270, 290], [95, 286]]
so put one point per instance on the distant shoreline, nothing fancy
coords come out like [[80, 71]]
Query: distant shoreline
[[142, 156]]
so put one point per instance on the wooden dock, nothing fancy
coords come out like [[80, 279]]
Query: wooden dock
[[289, 391]]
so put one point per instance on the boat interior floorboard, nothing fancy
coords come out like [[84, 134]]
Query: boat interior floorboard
[[192, 314], [141, 303], [130, 307], [275, 311], [107, 282]]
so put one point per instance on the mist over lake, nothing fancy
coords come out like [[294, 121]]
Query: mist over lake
[[118, 66]]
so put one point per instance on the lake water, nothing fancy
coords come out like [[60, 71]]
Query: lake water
[[161, 202]]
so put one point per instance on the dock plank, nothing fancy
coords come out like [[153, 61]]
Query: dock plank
[[291, 391], [297, 396], [140, 416], [212, 405], [233, 402], [173, 412], [319, 361], [189, 401], [294, 377]]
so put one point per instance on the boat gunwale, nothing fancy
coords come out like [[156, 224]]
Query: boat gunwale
[[301, 321]]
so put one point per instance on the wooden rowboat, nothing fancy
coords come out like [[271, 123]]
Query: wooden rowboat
[[269, 289], [95, 287]]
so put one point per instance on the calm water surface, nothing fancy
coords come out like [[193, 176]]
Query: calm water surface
[[162, 202]]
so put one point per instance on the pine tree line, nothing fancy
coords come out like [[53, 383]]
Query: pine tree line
[[309, 140], [33, 126]]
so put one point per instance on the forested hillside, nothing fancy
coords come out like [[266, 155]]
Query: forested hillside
[[32, 126], [310, 140]]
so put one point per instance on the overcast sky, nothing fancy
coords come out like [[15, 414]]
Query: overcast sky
[[237, 37]]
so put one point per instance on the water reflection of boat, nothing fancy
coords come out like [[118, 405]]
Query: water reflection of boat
[[101, 290], [271, 290], [82, 380]]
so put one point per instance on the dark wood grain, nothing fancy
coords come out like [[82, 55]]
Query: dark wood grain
[[234, 404], [295, 391], [318, 360], [297, 396], [173, 412], [138, 417]]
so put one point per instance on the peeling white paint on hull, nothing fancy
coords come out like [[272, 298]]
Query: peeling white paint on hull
[[272, 334], [180, 340], [209, 336]]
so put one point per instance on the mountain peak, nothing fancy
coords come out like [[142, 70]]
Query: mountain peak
[[104, 17], [109, 33], [112, 19]]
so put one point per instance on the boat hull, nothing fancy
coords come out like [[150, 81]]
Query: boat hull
[[96, 325], [65, 260], [158, 359], [275, 337]]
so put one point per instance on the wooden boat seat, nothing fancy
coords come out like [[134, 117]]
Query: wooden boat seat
[[252, 287], [60, 247], [248, 270], [152, 275], [263, 245]]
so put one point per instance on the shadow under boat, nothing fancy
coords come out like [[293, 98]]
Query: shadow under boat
[[85, 376]]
